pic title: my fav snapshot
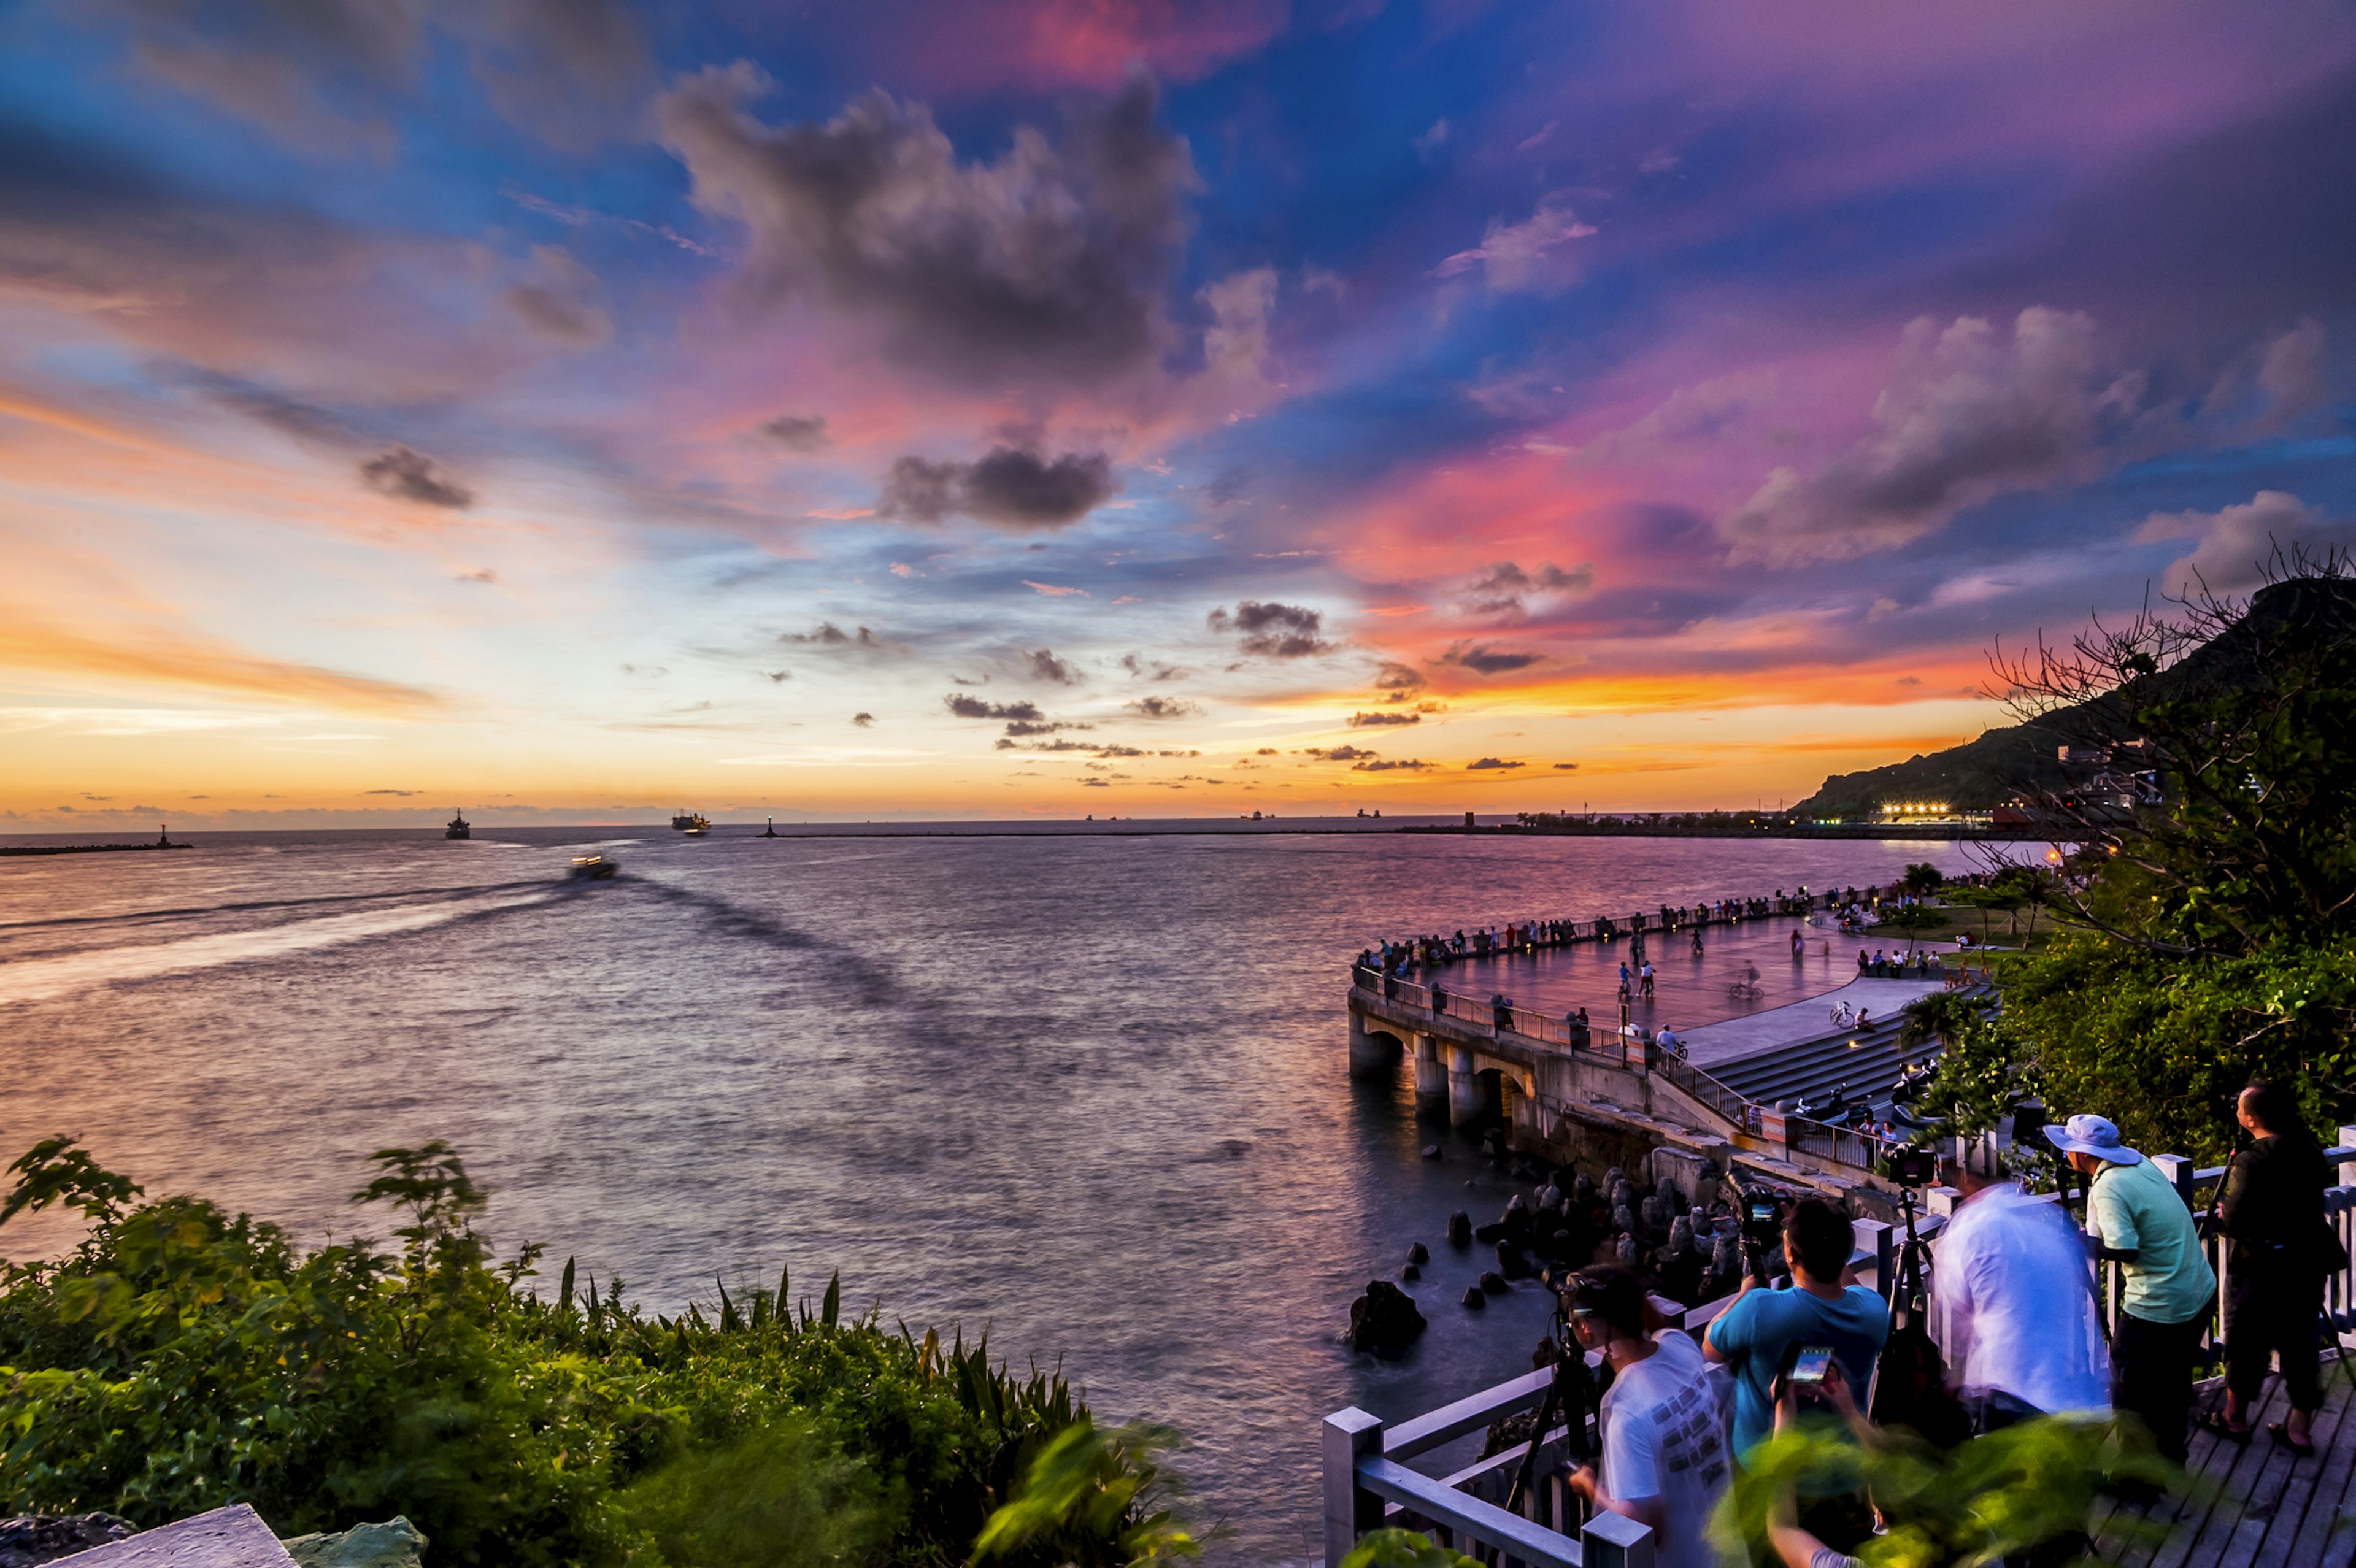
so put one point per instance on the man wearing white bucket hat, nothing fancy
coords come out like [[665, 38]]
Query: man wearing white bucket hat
[[2144, 1226]]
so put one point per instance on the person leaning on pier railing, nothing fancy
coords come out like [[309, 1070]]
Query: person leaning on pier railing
[[2272, 1211], [2144, 1226]]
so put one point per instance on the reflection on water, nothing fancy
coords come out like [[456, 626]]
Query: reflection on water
[[1089, 1092]]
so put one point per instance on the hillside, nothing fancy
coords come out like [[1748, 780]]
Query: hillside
[[2004, 762]]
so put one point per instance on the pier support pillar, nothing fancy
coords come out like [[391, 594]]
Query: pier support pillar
[[1373, 1053], [1430, 1077], [1464, 1105]]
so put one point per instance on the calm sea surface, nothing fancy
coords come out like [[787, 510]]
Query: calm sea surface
[[1087, 1093]]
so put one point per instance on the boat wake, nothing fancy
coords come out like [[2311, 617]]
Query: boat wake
[[48, 977]]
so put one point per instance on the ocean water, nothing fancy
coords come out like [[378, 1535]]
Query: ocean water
[[1087, 1093]]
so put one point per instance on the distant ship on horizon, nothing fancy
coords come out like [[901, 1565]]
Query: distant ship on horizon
[[690, 822], [459, 826]]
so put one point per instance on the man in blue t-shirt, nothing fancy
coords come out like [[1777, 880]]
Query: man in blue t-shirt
[[1758, 1337]]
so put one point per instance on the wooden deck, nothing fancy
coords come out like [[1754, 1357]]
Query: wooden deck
[[2256, 1505]]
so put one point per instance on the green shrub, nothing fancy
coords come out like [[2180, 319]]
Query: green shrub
[[182, 1359]]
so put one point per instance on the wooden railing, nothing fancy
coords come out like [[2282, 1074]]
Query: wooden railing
[[1366, 1479]]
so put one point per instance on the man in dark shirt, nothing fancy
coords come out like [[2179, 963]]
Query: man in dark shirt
[[2272, 1210]]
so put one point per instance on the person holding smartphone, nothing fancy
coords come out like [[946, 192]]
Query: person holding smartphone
[[1758, 1337], [1665, 1459]]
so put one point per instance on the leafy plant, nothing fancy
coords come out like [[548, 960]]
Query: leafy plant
[[182, 1359], [1972, 1506], [1403, 1548]]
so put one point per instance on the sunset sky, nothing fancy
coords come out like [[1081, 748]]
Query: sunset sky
[[571, 408]]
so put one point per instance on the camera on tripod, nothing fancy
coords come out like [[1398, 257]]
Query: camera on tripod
[[1762, 1220], [1910, 1167]]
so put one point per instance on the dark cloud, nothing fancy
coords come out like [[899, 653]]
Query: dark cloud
[[965, 707], [1500, 589], [1094, 783], [1041, 664], [1393, 675], [1401, 764], [291, 416], [1966, 416], [1228, 487], [1338, 753], [1565, 767], [865, 720], [1272, 631], [325, 74], [1050, 261], [778, 675], [1482, 658], [1382, 721], [1490, 765], [1013, 487], [562, 302], [1040, 726], [403, 793], [1145, 668], [412, 475], [798, 432], [827, 634], [1164, 707]]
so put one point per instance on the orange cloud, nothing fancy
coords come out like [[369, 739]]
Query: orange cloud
[[154, 656]]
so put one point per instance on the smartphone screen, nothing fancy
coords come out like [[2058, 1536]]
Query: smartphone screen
[[1808, 1370]]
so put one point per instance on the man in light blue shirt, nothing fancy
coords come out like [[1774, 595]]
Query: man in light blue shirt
[[1758, 1337]]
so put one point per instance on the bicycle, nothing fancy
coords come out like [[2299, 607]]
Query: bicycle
[[1843, 1015], [1743, 990]]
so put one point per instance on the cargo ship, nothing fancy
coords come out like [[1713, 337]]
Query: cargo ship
[[459, 826], [688, 822]]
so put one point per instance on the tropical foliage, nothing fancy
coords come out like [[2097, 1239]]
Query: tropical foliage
[[183, 1358], [1976, 1504]]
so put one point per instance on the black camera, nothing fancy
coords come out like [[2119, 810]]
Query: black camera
[[1762, 1220], [1910, 1167]]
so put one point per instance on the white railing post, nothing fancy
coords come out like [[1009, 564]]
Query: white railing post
[[1351, 1510], [1881, 1239], [2178, 1171], [2347, 1167], [1615, 1540]]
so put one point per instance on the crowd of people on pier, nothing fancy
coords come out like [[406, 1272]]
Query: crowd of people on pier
[[1852, 910], [2013, 1328]]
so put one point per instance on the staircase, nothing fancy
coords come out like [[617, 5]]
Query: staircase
[[1867, 1060]]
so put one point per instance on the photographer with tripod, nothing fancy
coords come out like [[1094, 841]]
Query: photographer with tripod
[[2012, 1303], [1665, 1459]]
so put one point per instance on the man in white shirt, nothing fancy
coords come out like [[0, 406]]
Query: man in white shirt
[[1665, 1457], [2012, 1301]]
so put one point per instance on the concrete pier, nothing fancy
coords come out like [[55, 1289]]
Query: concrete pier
[[1430, 1077], [1464, 1097], [1373, 1052]]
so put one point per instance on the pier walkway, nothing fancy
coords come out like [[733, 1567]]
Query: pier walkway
[[1749, 1060]]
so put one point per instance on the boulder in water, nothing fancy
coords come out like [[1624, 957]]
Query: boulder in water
[[396, 1543], [1510, 1261], [1409, 1271], [1494, 1283], [1385, 1320], [34, 1538], [1474, 1298], [1459, 1229], [1416, 1252], [1490, 1231]]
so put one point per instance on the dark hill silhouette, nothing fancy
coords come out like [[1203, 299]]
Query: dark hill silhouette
[[2005, 762]]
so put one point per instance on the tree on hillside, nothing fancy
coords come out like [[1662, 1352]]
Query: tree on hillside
[[2230, 727], [2208, 917]]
